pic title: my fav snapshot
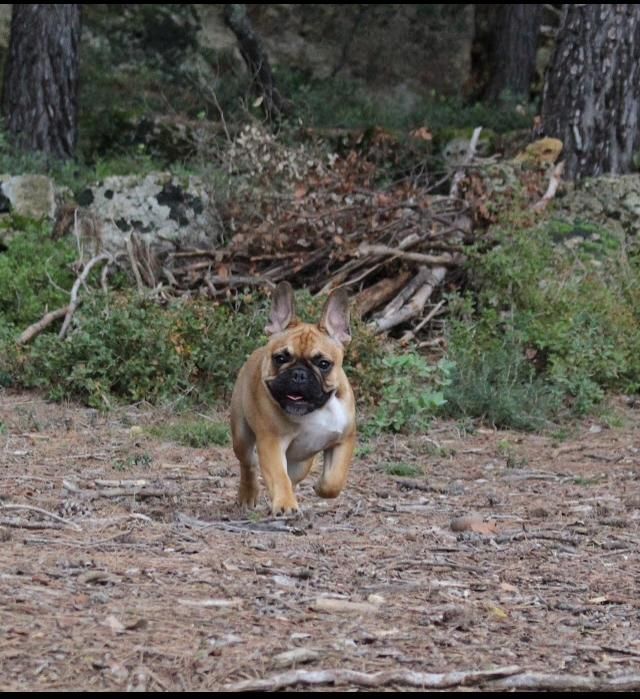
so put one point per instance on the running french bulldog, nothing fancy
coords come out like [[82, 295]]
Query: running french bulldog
[[293, 400]]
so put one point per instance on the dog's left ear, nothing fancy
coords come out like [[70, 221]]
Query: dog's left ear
[[335, 320], [283, 309]]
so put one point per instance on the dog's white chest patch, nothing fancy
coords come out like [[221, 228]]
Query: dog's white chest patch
[[319, 430]]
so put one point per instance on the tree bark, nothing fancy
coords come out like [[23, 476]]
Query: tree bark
[[591, 98], [40, 90], [513, 50], [255, 57]]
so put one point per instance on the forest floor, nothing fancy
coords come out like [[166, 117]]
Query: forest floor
[[510, 559]]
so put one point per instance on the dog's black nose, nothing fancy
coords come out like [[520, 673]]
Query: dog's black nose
[[299, 376]]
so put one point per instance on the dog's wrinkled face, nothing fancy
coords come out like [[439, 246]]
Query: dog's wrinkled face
[[302, 360], [303, 369]]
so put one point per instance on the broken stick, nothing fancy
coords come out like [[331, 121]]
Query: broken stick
[[413, 307], [75, 301]]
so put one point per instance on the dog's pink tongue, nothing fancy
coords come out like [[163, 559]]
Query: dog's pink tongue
[[294, 397]]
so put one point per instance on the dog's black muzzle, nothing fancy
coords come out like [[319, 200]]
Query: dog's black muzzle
[[298, 390]]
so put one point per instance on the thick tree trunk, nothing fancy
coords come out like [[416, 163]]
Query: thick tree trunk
[[591, 96], [39, 97], [255, 57], [513, 50]]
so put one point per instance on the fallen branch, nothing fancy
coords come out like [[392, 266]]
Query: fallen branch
[[471, 151], [374, 296], [339, 277], [39, 510], [268, 526], [538, 680], [406, 293], [25, 524], [554, 183], [574, 541], [36, 328], [75, 301], [413, 307], [232, 280], [425, 680], [385, 251], [410, 334], [142, 492]]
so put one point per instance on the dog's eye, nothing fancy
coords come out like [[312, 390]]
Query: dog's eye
[[281, 358], [324, 364]]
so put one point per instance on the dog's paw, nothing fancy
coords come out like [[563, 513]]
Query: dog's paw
[[327, 490], [285, 507], [248, 496]]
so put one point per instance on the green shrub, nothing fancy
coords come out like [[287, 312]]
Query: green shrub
[[35, 271], [491, 379], [194, 433], [123, 347], [554, 324], [412, 392], [399, 468], [136, 350]]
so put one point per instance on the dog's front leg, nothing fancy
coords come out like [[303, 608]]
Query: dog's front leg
[[335, 468], [273, 464]]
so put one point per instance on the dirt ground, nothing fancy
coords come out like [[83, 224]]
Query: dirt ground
[[125, 564]]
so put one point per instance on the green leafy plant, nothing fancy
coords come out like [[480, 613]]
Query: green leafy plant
[[122, 347], [412, 392], [143, 460], [194, 433], [551, 327], [35, 271], [491, 379], [402, 469]]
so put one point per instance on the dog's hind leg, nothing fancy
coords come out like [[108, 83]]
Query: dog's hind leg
[[244, 446]]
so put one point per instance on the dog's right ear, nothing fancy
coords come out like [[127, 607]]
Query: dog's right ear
[[283, 312], [335, 317]]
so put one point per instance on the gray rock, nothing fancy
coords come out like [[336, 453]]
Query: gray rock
[[613, 201], [165, 212], [32, 196]]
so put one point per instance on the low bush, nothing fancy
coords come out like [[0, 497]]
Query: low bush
[[554, 323]]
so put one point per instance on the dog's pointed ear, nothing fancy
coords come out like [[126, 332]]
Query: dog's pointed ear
[[283, 311], [335, 320]]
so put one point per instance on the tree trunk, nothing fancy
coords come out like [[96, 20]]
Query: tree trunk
[[513, 51], [591, 98], [255, 57], [40, 90]]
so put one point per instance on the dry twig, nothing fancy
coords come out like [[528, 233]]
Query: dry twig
[[36, 328], [460, 173], [554, 183], [565, 683], [425, 680], [75, 301], [39, 510]]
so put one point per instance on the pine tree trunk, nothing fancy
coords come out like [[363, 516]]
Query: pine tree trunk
[[591, 97], [255, 57], [39, 97], [513, 52]]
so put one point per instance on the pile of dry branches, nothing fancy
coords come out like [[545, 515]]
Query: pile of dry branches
[[319, 226], [391, 248], [391, 254]]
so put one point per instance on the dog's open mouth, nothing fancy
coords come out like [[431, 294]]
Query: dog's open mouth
[[297, 398], [296, 404]]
